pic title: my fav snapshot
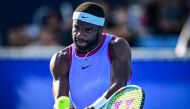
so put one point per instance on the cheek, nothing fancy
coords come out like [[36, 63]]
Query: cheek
[[94, 35]]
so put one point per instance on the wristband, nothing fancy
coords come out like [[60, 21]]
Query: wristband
[[99, 102]]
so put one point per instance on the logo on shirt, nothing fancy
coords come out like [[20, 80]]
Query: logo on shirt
[[84, 67]]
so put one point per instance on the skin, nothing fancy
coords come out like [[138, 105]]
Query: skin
[[86, 37]]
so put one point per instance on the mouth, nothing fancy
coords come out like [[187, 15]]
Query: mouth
[[81, 42]]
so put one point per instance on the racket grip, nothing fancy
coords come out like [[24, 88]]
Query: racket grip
[[103, 106], [99, 102]]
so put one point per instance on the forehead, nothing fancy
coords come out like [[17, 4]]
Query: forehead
[[84, 24]]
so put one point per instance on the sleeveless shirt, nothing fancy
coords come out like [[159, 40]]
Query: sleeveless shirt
[[89, 77]]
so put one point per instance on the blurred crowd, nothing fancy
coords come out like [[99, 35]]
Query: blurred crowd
[[141, 22]]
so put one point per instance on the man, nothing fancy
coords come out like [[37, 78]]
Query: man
[[95, 66]]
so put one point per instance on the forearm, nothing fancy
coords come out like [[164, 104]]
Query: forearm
[[113, 88]]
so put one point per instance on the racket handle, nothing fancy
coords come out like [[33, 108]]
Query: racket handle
[[99, 102], [103, 106]]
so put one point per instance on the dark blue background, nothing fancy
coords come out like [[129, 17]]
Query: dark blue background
[[26, 83]]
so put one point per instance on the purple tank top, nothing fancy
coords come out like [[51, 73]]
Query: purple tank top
[[89, 77]]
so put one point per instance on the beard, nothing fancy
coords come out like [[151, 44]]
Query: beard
[[86, 44]]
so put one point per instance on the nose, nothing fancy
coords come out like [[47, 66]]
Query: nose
[[80, 35]]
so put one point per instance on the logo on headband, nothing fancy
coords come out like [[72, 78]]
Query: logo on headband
[[84, 17]]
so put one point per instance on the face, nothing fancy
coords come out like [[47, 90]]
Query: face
[[85, 35]]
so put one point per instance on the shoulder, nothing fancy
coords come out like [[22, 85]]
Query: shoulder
[[119, 48], [119, 42], [59, 63]]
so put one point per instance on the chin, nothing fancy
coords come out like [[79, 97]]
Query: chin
[[81, 48]]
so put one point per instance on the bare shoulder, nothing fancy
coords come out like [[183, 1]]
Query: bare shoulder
[[119, 48], [59, 63], [119, 42]]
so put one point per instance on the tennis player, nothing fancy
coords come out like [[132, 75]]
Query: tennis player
[[95, 66]]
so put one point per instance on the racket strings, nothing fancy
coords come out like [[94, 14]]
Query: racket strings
[[126, 99]]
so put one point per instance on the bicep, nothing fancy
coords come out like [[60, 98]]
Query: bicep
[[56, 75], [53, 71]]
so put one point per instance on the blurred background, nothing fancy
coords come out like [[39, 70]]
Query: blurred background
[[158, 31]]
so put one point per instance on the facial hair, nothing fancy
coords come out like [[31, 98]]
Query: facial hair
[[90, 44]]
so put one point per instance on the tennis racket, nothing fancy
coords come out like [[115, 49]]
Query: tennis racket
[[128, 97]]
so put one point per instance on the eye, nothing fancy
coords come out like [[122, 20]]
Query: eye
[[89, 30]]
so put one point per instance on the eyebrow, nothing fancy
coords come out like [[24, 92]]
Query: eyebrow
[[80, 23], [86, 26]]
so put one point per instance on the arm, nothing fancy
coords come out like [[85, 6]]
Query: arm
[[59, 68], [121, 66], [184, 38]]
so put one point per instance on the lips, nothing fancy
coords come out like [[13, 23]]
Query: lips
[[81, 42]]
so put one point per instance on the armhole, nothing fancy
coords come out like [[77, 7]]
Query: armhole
[[109, 56], [70, 57]]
